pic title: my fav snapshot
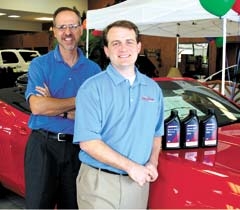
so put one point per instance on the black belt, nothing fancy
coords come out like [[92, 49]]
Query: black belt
[[109, 172], [61, 137]]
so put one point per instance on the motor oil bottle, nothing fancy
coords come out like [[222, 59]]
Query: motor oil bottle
[[190, 130], [171, 138], [208, 135]]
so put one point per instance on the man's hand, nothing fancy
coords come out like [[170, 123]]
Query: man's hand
[[142, 174], [154, 172], [43, 91], [71, 114]]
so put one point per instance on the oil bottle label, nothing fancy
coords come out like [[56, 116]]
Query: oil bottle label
[[173, 135], [211, 133], [192, 130]]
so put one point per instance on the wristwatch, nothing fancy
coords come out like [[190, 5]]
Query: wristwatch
[[65, 114]]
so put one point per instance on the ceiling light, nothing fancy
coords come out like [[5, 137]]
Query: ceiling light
[[13, 16], [45, 18], [1, 14]]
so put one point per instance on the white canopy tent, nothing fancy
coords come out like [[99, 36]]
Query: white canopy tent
[[171, 18], [165, 18]]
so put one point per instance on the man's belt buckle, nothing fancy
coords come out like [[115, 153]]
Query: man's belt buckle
[[58, 137]]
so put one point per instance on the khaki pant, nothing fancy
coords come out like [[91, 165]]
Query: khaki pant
[[100, 190]]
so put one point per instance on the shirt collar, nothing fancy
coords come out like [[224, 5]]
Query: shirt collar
[[59, 58], [118, 78]]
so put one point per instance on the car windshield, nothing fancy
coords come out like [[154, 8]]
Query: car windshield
[[185, 95]]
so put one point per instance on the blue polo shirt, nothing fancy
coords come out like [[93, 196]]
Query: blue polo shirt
[[62, 80], [125, 117]]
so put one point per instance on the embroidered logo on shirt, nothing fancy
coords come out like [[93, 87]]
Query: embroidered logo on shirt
[[147, 98]]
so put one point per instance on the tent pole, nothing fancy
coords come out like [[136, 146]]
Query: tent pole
[[224, 55], [177, 48]]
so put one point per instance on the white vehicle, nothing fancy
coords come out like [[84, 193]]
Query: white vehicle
[[17, 60]]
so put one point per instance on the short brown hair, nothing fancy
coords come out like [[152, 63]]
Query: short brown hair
[[61, 9], [123, 24]]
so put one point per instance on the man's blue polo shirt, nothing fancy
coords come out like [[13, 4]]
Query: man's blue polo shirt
[[63, 82], [125, 117]]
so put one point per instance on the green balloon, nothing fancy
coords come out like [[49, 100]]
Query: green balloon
[[219, 42], [217, 7]]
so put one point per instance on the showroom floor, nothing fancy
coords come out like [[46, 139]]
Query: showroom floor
[[12, 201]]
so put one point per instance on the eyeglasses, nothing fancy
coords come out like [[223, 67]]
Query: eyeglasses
[[72, 27]]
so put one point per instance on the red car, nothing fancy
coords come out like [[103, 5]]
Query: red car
[[188, 178], [14, 132], [200, 178]]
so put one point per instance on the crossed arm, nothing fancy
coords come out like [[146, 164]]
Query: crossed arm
[[44, 104]]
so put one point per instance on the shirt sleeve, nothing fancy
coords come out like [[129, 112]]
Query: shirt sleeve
[[34, 78], [160, 124], [87, 116]]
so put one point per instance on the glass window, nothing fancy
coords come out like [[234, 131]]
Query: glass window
[[195, 49], [28, 56], [184, 95], [9, 57]]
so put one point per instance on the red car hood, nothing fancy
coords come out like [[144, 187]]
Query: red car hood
[[230, 133], [202, 177]]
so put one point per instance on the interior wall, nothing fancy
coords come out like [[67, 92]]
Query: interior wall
[[20, 26], [27, 41], [166, 46], [42, 6]]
